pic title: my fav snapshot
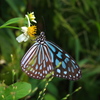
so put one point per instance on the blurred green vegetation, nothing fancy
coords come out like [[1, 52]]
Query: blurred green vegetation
[[72, 24]]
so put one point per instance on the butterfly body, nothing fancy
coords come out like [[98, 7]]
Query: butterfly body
[[43, 57]]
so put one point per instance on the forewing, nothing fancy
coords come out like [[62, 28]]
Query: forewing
[[37, 61], [67, 68]]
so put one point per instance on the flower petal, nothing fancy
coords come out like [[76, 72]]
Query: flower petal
[[26, 38], [32, 13], [22, 38], [24, 29], [34, 21]]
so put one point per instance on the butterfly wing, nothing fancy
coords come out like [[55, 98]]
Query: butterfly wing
[[37, 61], [67, 68], [42, 59]]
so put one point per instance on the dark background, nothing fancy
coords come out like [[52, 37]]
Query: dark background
[[72, 24]]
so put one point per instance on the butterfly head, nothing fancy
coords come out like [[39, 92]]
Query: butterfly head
[[41, 38], [42, 33]]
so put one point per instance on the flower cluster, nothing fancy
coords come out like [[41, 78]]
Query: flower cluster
[[28, 31]]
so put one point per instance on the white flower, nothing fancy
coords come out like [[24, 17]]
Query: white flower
[[23, 37], [27, 31]]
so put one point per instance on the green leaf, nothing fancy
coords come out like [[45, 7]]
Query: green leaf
[[52, 89], [77, 48], [15, 91], [49, 97], [12, 21]]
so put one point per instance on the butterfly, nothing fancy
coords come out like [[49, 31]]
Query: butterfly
[[43, 57]]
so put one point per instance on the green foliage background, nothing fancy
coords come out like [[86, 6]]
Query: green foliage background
[[72, 24]]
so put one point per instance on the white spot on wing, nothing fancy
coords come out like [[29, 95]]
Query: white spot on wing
[[48, 68], [73, 76], [56, 74], [76, 74], [37, 76], [45, 72], [68, 69], [73, 61], [44, 64], [41, 74], [23, 69], [33, 71], [59, 75], [65, 72], [36, 67], [79, 71], [41, 67], [67, 55], [63, 75], [58, 71], [69, 75], [36, 72]]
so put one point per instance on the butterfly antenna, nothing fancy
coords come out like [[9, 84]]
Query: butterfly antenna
[[44, 25]]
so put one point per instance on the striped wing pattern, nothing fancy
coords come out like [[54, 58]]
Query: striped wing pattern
[[37, 61], [43, 57]]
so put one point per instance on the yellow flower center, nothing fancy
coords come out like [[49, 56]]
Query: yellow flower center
[[32, 31]]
